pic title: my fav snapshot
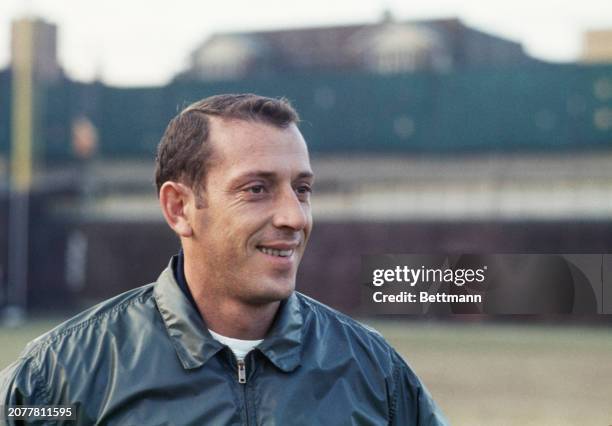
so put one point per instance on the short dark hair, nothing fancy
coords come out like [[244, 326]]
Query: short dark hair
[[183, 153]]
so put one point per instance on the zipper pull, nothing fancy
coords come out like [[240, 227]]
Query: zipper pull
[[241, 371]]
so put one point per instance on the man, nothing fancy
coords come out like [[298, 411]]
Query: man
[[222, 338]]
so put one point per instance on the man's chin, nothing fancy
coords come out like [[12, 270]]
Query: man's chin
[[276, 293]]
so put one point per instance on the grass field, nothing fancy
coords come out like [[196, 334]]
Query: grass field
[[482, 374]]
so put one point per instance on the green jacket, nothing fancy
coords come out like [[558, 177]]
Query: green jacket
[[146, 357]]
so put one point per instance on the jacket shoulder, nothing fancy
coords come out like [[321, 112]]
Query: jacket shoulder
[[28, 379], [339, 326], [341, 337], [89, 318], [328, 313]]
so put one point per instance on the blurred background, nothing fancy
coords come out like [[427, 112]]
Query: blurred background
[[434, 127]]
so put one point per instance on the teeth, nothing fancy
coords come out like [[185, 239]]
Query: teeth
[[275, 252]]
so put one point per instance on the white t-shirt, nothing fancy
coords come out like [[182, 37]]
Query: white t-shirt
[[238, 346]]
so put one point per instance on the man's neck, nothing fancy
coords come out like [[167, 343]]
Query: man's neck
[[235, 319], [239, 321], [227, 315]]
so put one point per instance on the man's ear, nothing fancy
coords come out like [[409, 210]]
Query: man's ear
[[176, 200]]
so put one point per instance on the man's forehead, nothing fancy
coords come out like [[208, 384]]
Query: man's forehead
[[256, 148], [223, 126]]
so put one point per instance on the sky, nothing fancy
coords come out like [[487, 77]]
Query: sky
[[146, 42]]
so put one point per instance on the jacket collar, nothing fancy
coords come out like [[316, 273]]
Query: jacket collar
[[195, 346], [193, 343], [283, 343]]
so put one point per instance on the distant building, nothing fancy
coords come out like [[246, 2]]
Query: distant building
[[597, 46], [385, 47], [36, 40]]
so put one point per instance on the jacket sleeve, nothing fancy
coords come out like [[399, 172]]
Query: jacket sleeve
[[411, 403], [19, 385]]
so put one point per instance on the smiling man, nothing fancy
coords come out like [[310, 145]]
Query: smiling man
[[244, 231], [222, 338]]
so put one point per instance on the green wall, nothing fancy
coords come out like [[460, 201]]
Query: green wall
[[545, 108]]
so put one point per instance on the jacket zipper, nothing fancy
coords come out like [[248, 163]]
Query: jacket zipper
[[241, 371], [242, 380]]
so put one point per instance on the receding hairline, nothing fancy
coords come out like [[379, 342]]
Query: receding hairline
[[230, 120], [214, 106], [217, 123], [173, 165]]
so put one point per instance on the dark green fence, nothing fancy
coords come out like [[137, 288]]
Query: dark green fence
[[546, 108]]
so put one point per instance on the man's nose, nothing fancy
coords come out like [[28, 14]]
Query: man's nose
[[290, 211]]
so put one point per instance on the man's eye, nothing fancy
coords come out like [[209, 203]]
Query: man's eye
[[256, 189], [304, 189]]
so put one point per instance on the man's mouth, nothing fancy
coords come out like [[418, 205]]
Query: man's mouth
[[275, 252]]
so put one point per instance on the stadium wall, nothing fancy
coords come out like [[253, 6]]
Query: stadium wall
[[538, 107]]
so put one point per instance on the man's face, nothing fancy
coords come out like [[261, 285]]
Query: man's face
[[254, 220]]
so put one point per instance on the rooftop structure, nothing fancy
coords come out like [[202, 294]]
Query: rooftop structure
[[385, 47]]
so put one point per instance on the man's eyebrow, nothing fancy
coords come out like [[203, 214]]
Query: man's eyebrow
[[306, 175], [262, 174]]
